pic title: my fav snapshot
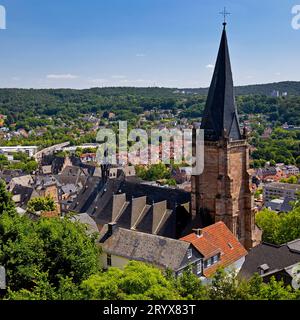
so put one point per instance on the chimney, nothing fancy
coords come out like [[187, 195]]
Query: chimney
[[111, 228], [198, 232]]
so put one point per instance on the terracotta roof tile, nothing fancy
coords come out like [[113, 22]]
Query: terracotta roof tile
[[215, 239]]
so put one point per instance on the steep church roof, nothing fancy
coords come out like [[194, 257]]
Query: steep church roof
[[220, 113]]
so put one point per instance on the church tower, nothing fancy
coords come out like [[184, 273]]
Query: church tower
[[223, 191]]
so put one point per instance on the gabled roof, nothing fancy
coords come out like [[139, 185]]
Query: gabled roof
[[24, 193], [276, 257], [133, 245], [220, 113], [217, 239]]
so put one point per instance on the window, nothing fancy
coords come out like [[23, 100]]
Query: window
[[109, 260], [199, 267], [209, 262], [190, 253], [215, 259]]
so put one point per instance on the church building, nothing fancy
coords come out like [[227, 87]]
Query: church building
[[223, 191]]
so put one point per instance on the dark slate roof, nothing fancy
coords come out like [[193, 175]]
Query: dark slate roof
[[220, 112], [87, 195], [71, 179], [146, 224], [97, 200], [125, 219], [7, 175], [24, 192], [160, 251], [101, 206], [276, 257], [55, 162], [155, 194]]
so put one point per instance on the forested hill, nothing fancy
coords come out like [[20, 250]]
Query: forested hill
[[21, 105], [291, 87]]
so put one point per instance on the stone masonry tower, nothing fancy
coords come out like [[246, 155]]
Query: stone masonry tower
[[223, 191]]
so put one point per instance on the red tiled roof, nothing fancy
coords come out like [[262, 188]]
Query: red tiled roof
[[215, 239]]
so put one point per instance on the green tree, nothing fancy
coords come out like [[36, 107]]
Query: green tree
[[279, 228], [154, 172], [6, 203], [137, 281], [56, 247], [3, 161], [269, 222], [41, 204], [298, 161], [190, 287], [226, 286], [276, 290]]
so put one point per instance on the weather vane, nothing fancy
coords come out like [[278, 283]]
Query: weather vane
[[224, 13]]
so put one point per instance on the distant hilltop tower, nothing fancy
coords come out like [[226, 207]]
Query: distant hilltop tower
[[223, 191]]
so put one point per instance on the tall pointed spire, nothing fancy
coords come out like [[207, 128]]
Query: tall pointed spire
[[220, 117]]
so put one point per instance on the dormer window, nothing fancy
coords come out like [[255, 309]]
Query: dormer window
[[209, 262], [215, 259], [190, 253], [262, 269], [230, 245]]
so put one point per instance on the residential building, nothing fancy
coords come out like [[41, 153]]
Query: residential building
[[270, 174], [291, 170], [30, 150], [119, 246], [277, 190], [88, 157], [269, 260], [219, 248], [21, 195], [280, 205]]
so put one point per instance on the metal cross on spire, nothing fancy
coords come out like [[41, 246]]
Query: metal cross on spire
[[224, 13]]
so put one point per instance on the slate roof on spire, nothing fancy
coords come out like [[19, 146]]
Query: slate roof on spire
[[220, 115]]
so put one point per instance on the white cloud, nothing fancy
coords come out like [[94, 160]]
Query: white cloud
[[62, 76], [210, 66], [278, 74], [140, 55], [118, 77], [97, 80]]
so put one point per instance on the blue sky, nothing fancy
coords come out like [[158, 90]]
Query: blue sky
[[172, 43]]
